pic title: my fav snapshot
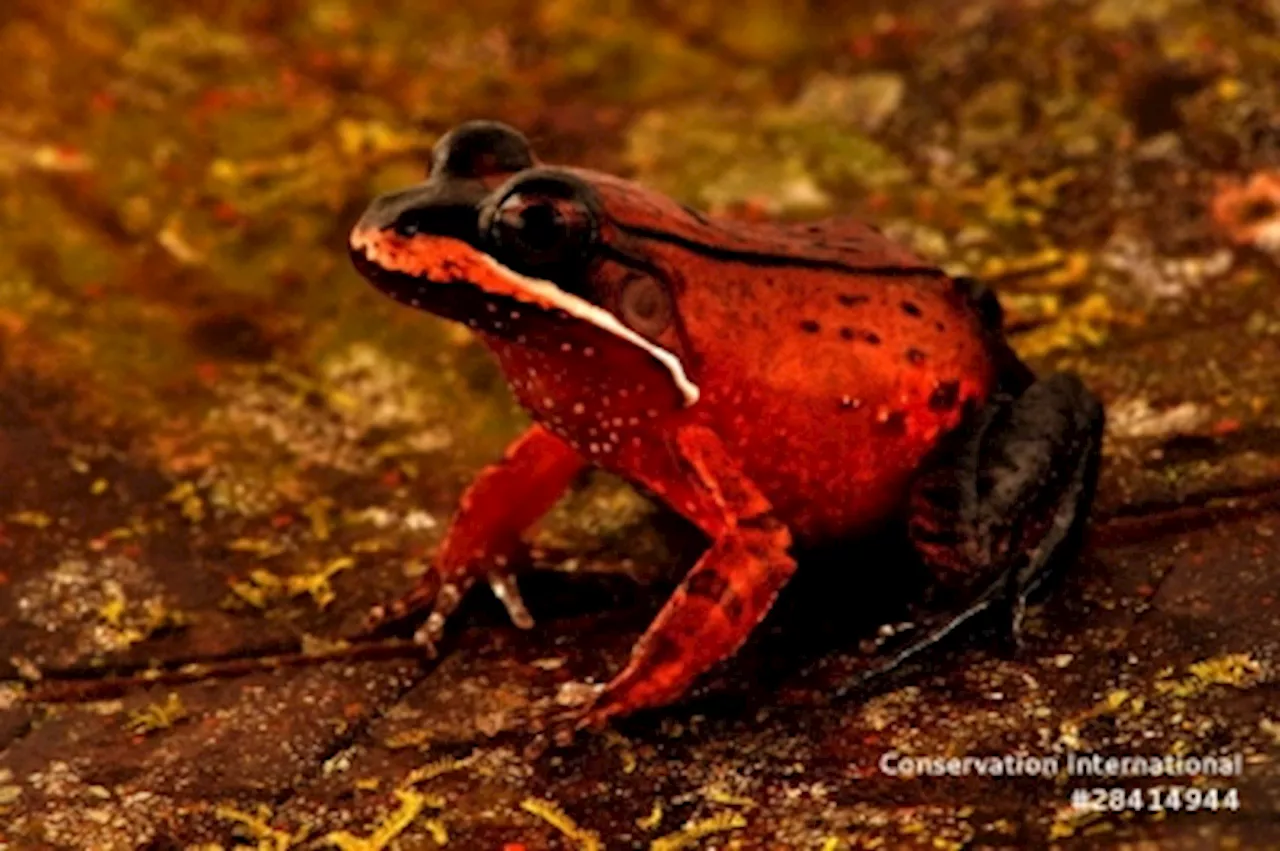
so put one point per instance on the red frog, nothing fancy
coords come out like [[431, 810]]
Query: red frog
[[779, 385]]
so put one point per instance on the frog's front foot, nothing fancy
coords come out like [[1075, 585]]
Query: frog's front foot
[[485, 540], [1001, 511], [440, 599]]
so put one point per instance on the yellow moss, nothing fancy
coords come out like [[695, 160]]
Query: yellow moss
[[411, 806], [112, 611], [34, 519], [188, 499], [260, 547], [1233, 669], [625, 753], [1085, 323], [317, 583], [1005, 201], [407, 739], [317, 511], [269, 838], [719, 796], [157, 716], [436, 828], [651, 821], [264, 587], [432, 770], [693, 831], [550, 812]]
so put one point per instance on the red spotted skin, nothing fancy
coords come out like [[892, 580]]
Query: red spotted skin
[[830, 385], [828, 363]]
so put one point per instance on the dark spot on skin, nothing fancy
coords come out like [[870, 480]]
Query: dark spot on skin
[[229, 336], [847, 333], [662, 650], [915, 357], [895, 423], [809, 326], [732, 606], [707, 584], [851, 300], [910, 308], [944, 396], [938, 326]]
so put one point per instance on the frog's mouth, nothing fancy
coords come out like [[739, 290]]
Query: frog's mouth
[[409, 269]]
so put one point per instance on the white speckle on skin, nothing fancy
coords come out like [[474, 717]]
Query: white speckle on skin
[[548, 403], [578, 407], [565, 347], [589, 352], [594, 448], [515, 314]]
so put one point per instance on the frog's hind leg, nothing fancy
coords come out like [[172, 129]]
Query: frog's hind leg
[[721, 600], [1001, 511]]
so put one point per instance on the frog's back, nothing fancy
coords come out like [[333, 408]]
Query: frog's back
[[830, 358], [836, 365]]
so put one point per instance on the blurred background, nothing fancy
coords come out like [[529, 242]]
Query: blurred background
[[217, 442]]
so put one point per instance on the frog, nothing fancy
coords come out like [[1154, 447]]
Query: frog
[[778, 384]]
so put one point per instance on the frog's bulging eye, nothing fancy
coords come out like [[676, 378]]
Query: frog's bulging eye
[[537, 233], [645, 305]]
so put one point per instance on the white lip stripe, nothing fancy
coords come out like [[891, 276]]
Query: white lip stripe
[[604, 320], [574, 306]]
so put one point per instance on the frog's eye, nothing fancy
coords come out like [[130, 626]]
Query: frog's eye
[[541, 233], [645, 305]]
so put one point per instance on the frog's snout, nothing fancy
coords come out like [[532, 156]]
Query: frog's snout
[[431, 209]]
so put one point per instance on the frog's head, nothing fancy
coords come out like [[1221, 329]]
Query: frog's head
[[526, 255]]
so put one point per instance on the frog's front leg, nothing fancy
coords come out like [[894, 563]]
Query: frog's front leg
[[723, 597], [999, 512], [485, 537]]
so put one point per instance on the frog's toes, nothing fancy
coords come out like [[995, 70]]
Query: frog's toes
[[446, 601], [507, 590]]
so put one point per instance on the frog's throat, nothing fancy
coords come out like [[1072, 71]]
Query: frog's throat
[[397, 254]]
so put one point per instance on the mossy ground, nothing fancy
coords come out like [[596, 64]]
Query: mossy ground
[[218, 445]]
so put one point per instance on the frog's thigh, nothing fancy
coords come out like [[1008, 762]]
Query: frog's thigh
[[1003, 507], [726, 594]]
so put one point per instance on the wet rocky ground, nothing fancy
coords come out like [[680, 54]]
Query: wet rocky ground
[[219, 448]]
